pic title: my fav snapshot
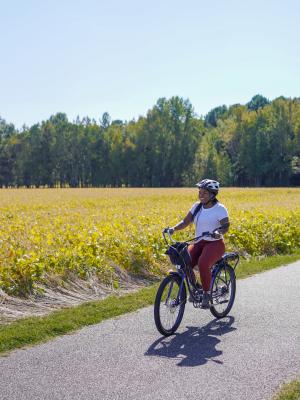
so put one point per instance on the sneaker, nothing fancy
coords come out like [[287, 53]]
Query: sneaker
[[205, 300]]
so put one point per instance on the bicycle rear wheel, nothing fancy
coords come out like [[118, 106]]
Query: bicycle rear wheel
[[223, 291], [169, 305]]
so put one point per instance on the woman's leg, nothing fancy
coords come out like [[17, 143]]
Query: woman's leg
[[195, 252], [211, 253]]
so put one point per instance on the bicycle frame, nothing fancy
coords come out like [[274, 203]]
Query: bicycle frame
[[185, 275]]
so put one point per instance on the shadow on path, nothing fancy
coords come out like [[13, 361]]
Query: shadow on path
[[195, 346]]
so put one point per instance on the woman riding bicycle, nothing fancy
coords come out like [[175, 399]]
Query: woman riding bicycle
[[212, 217]]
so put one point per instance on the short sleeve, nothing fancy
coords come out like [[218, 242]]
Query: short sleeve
[[222, 212], [192, 210]]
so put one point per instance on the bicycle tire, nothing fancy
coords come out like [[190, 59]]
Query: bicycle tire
[[223, 291], [169, 305]]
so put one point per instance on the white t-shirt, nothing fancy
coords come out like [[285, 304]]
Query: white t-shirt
[[208, 219]]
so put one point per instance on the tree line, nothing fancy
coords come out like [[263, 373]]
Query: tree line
[[257, 144]]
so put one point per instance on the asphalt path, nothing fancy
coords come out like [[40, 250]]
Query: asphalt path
[[244, 356]]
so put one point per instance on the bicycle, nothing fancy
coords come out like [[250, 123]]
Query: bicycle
[[171, 295]]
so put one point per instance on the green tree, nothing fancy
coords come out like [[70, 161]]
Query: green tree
[[258, 101], [212, 117]]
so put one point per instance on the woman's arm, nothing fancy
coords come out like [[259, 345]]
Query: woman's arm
[[187, 220], [224, 225]]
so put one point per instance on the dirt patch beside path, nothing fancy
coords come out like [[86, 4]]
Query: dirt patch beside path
[[73, 293]]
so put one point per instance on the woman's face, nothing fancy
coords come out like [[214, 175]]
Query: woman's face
[[204, 195]]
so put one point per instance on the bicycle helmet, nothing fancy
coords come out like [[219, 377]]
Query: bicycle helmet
[[210, 185]]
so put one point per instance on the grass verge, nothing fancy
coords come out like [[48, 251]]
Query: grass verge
[[30, 331], [290, 391], [254, 266]]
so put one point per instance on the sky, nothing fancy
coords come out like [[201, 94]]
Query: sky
[[87, 57]]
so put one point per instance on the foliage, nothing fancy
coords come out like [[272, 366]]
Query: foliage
[[254, 148], [258, 101], [211, 118], [50, 233], [253, 145]]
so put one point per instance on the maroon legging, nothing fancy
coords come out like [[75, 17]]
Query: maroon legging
[[206, 253]]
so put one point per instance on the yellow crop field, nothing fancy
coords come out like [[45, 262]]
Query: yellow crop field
[[48, 233]]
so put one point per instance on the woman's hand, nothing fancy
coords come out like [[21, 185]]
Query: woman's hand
[[216, 235], [169, 230]]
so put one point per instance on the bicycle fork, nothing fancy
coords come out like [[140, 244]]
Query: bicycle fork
[[178, 297]]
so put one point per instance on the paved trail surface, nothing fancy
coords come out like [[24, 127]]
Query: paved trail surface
[[244, 356]]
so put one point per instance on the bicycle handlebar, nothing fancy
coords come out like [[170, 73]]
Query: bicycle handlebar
[[167, 231]]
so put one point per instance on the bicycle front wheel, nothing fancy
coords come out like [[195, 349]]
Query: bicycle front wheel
[[223, 291], [169, 305]]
